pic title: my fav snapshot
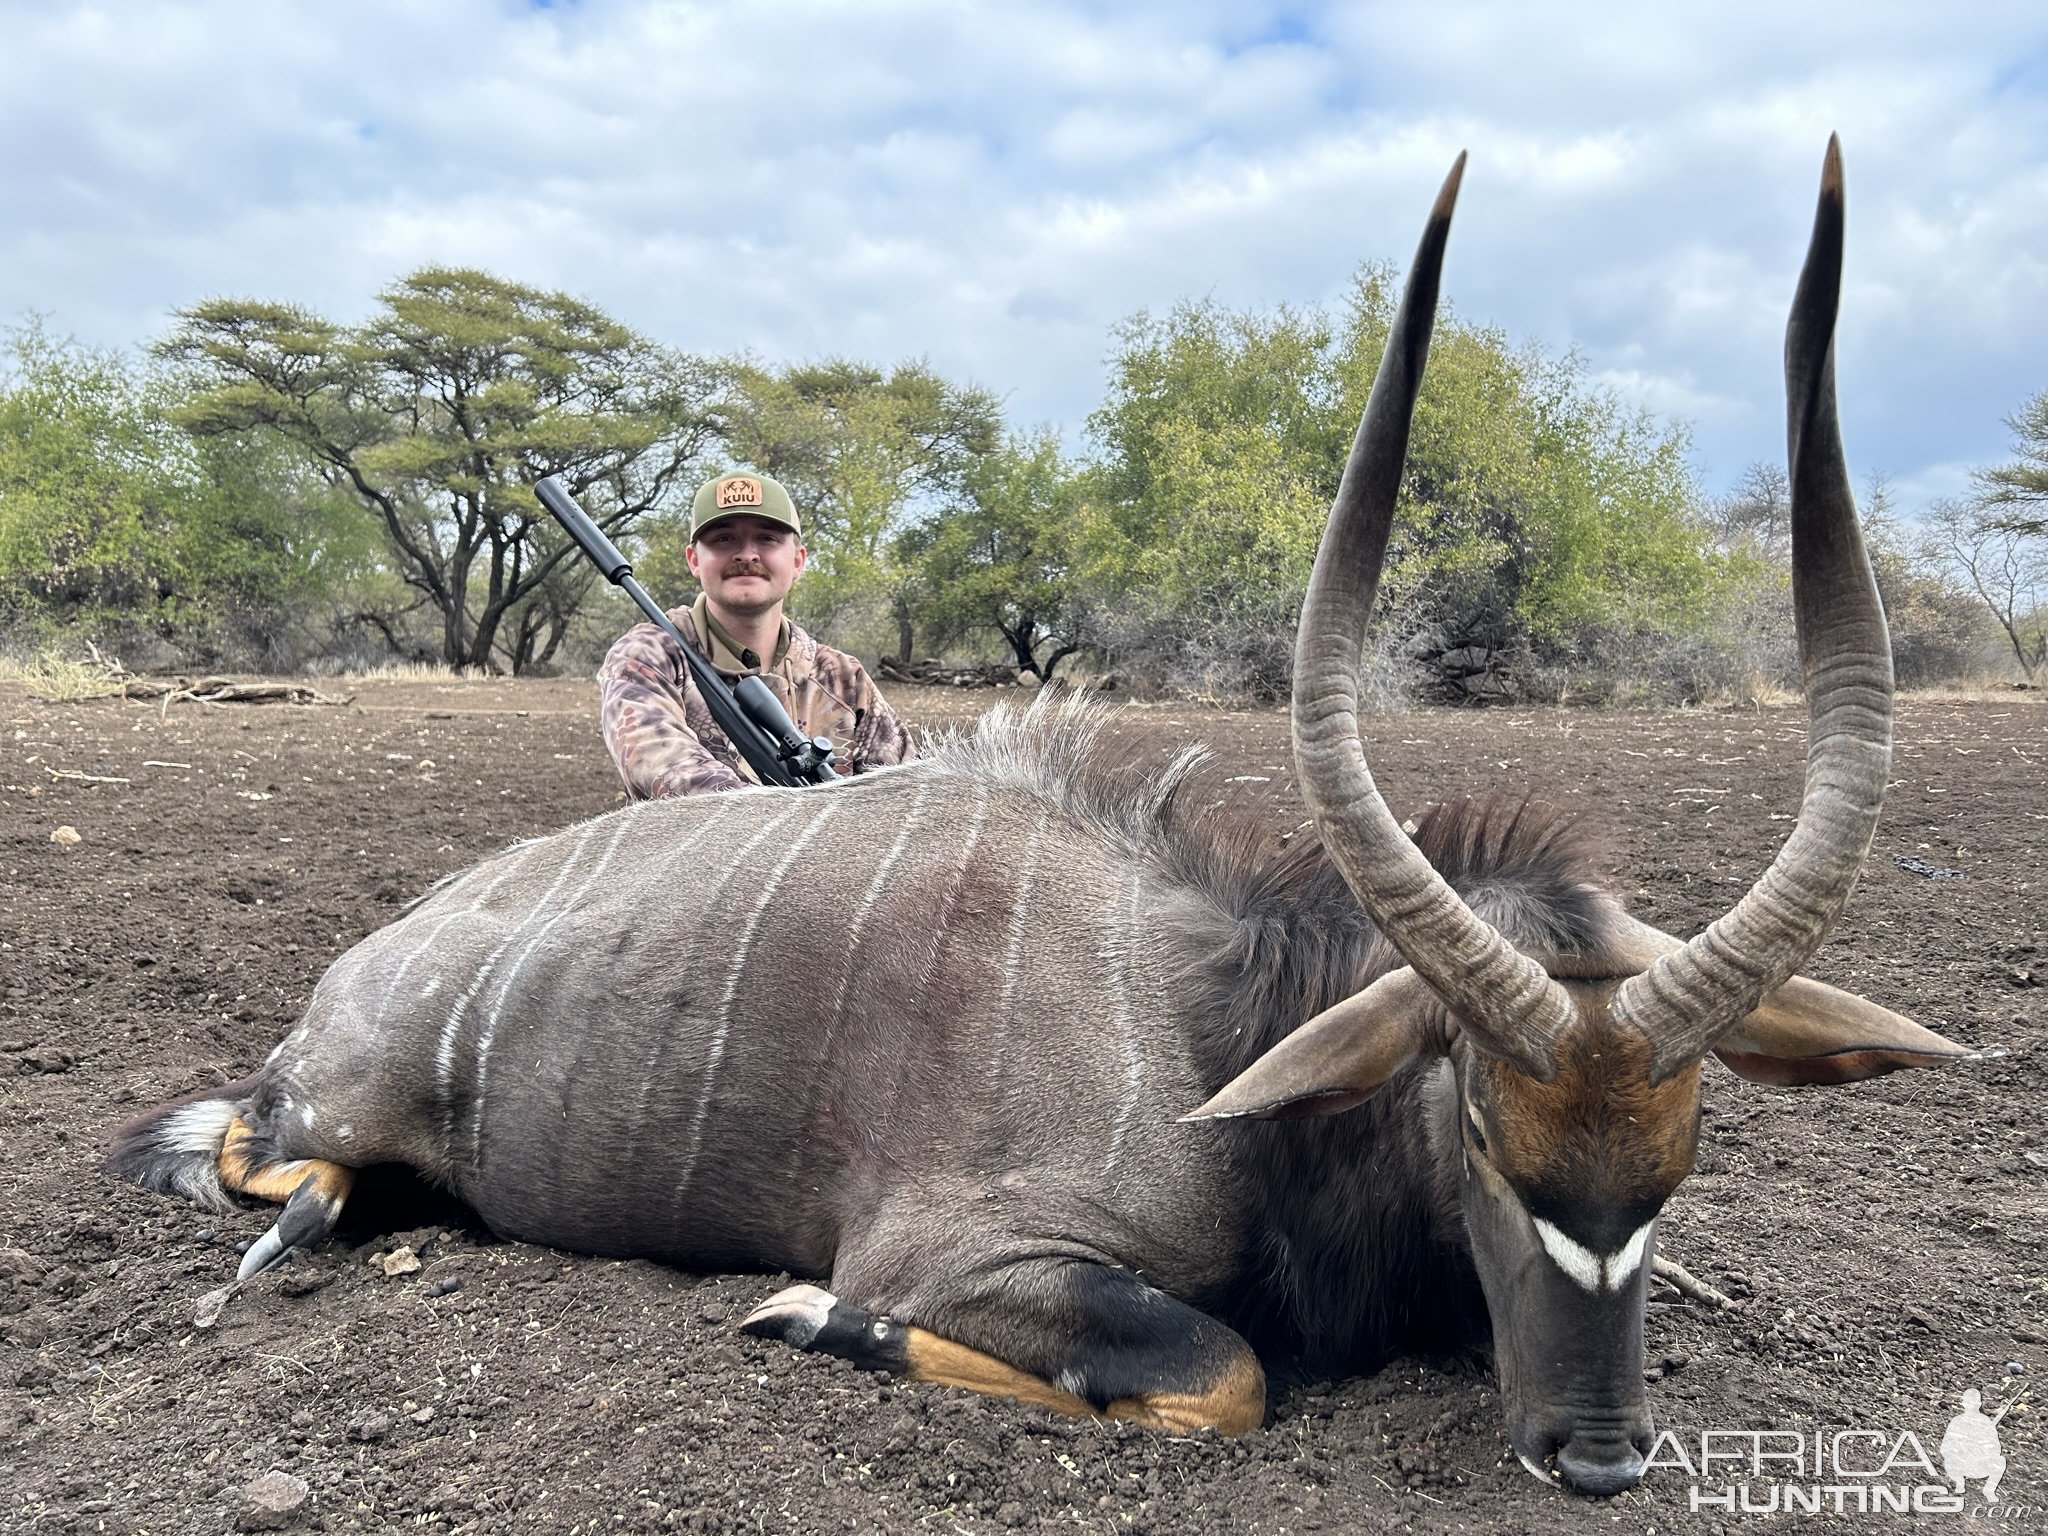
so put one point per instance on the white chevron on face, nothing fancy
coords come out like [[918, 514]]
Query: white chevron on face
[[1589, 1270]]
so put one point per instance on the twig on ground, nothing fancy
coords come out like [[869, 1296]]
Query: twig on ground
[[1679, 1278]]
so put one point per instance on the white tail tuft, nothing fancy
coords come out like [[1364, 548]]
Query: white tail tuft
[[175, 1150]]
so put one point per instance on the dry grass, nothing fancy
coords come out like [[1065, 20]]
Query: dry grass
[[1981, 690], [58, 679], [405, 672], [1754, 690]]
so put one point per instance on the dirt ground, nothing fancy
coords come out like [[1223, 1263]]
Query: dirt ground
[[1887, 1242]]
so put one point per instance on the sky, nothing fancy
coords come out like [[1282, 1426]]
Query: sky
[[992, 187]]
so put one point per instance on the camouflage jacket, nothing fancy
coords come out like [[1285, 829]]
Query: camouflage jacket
[[660, 730]]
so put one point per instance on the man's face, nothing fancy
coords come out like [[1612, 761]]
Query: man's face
[[747, 564]]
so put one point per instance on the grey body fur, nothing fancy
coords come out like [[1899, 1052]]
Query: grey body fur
[[907, 1031]]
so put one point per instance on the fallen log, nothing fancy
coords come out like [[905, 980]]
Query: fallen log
[[222, 690]]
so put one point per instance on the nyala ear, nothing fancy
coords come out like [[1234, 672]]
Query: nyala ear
[[1807, 1032], [1336, 1060]]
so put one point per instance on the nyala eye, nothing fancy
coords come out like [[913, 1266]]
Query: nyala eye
[[1478, 1130]]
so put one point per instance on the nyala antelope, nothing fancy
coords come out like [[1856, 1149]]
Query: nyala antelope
[[985, 1047]]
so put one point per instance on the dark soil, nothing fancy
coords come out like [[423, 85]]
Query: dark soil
[[1886, 1241]]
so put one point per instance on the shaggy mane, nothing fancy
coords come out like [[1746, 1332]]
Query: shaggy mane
[[1523, 866], [1054, 751]]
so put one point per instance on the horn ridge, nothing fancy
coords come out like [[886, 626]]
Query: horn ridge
[[1691, 997], [1507, 1003]]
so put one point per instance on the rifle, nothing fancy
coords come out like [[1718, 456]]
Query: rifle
[[752, 718]]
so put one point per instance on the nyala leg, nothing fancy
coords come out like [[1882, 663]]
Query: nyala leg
[[1078, 1338], [312, 1189]]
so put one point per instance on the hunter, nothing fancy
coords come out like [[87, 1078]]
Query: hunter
[[746, 549]]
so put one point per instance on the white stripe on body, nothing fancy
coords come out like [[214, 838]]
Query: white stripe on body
[[348, 1001], [944, 914], [870, 898], [476, 905], [737, 969], [1013, 952], [711, 900], [489, 1034], [1118, 956], [444, 1054], [659, 1041]]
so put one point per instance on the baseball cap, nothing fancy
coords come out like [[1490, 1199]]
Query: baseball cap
[[753, 495]]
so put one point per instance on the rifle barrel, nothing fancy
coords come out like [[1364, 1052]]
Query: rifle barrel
[[763, 752]]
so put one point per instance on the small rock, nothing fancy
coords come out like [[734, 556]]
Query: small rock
[[206, 1311], [369, 1425], [271, 1501], [424, 1416], [447, 1285], [400, 1261], [66, 837]]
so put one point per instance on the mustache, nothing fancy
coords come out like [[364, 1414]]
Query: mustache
[[745, 568]]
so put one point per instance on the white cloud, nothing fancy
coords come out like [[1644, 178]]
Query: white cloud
[[993, 186], [1929, 484]]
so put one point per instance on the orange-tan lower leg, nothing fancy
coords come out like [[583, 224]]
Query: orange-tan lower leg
[[1232, 1400], [311, 1189], [243, 1168], [1235, 1405]]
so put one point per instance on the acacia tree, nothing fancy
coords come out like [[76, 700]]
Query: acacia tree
[[860, 449], [440, 412], [1998, 538], [2015, 494], [1000, 560]]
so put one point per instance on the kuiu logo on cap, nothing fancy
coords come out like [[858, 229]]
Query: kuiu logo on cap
[[738, 491]]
